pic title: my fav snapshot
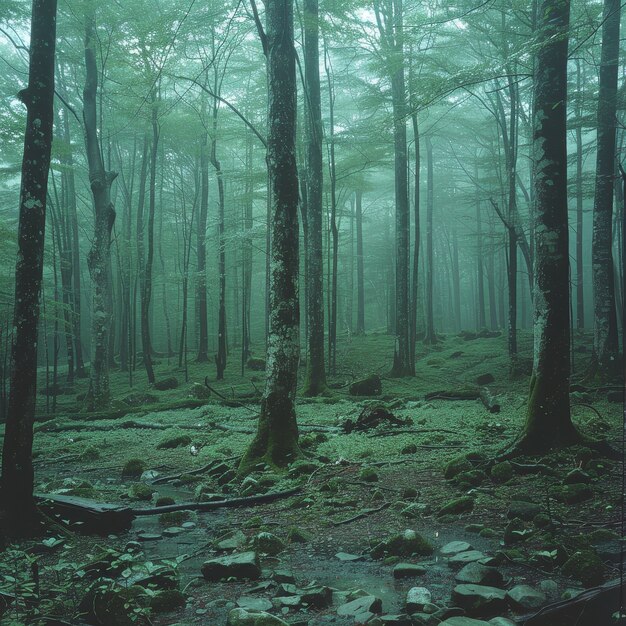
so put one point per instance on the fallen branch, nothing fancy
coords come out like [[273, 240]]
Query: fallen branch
[[362, 514], [200, 470], [412, 431]]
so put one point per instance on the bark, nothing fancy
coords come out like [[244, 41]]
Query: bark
[[16, 483], [605, 359], [548, 421], [456, 282], [430, 336], [315, 377], [480, 268], [98, 395], [276, 441], [360, 279], [580, 292], [416, 242]]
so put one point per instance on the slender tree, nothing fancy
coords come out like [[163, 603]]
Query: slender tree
[[17, 508], [276, 441], [605, 358]]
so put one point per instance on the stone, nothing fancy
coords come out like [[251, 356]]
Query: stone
[[365, 604], [408, 570], [525, 598], [267, 543], [523, 510], [199, 392], [549, 587], [485, 379], [501, 621], [244, 565], [318, 596], [454, 547], [256, 364], [515, 531], [479, 599], [585, 566], [291, 602], [241, 617], [463, 621], [230, 541], [417, 598], [173, 531], [395, 620], [166, 384], [167, 600], [370, 386], [464, 504], [344, 556], [478, 574], [463, 558], [456, 466], [406, 544], [502, 472], [574, 493], [139, 399], [254, 604], [149, 536], [284, 576]]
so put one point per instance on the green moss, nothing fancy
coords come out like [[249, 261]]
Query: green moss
[[90, 453], [456, 466], [133, 468], [174, 442], [473, 478], [406, 544], [164, 501], [585, 566], [168, 600], [369, 475], [502, 472], [297, 535], [541, 520], [174, 518], [574, 493], [464, 504], [139, 491]]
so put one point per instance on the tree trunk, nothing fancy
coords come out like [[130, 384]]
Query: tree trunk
[[548, 420], [580, 292], [430, 336], [98, 395], [360, 275], [276, 441], [315, 377], [605, 359], [416, 242], [16, 485]]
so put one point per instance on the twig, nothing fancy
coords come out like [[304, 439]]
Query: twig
[[362, 514]]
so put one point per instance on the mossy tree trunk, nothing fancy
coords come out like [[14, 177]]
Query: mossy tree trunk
[[100, 180], [315, 379], [605, 358], [548, 421], [430, 336], [16, 484], [276, 441]]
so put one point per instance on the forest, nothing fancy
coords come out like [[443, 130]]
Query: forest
[[312, 313]]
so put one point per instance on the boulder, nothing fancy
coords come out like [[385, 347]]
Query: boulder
[[417, 598], [479, 600], [139, 399], [370, 386], [199, 392], [525, 598], [501, 621], [359, 606], [454, 547], [406, 544], [463, 558], [267, 543], [464, 504], [256, 364], [485, 379], [250, 603], [463, 621], [166, 384], [524, 510], [241, 617], [244, 565], [477, 574], [408, 570]]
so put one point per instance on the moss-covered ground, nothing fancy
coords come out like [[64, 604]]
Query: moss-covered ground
[[395, 476]]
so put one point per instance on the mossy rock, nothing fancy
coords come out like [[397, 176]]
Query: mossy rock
[[297, 535], [256, 364], [133, 468], [302, 468], [585, 566], [515, 531], [403, 545], [541, 520], [411, 448], [90, 453], [464, 504], [370, 386], [574, 493], [502, 472], [164, 501], [369, 475], [174, 442], [456, 466], [140, 491], [472, 478], [167, 601], [113, 606], [174, 518]]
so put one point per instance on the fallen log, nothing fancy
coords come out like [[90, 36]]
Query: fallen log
[[457, 394], [590, 608]]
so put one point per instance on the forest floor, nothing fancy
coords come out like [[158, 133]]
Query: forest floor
[[329, 553]]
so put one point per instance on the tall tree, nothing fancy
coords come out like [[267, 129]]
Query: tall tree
[[17, 507], [548, 421], [315, 378], [100, 181], [430, 336], [605, 359], [360, 273], [276, 441]]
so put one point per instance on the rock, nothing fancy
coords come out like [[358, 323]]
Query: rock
[[166, 384], [230, 541], [365, 604], [256, 364], [525, 598], [577, 476], [464, 504], [241, 617], [173, 531], [393, 620], [267, 543], [254, 604], [115, 605], [454, 547], [410, 448], [318, 596], [174, 442], [524, 510], [370, 386], [585, 566], [463, 621], [473, 478], [463, 558], [244, 565], [456, 466], [416, 509], [149, 536], [479, 599], [549, 587], [369, 475], [477, 574], [406, 544], [200, 392], [133, 468], [139, 399], [408, 570], [502, 472], [291, 602], [344, 556], [501, 621], [417, 598], [574, 493], [515, 531], [485, 379], [284, 576], [168, 600]]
